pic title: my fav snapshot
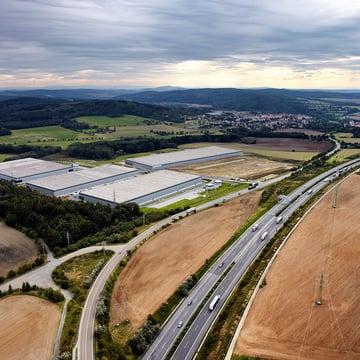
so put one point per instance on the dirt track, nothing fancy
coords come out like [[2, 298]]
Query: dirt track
[[160, 266], [27, 328], [284, 322], [16, 249]]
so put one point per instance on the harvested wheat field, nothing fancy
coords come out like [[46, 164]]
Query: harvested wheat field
[[284, 322], [238, 167], [159, 267], [28, 328], [16, 249]]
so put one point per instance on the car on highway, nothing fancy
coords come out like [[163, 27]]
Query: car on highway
[[255, 227], [190, 302], [264, 235], [180, 324], [279, 219], [309, 192], [222, 264]]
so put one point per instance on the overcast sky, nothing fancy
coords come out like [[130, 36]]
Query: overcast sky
[[210, 43]]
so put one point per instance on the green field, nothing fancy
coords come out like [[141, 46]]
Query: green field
[[344, 154], [347, 137], [204, 197], [104, 121], [5, 156], [46, 135]]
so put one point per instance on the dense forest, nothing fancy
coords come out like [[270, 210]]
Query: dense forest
[[33, 112], [60, 223]]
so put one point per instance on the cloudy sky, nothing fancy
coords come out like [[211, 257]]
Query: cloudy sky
[[190, 43]]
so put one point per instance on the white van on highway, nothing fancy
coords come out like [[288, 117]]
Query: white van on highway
[[264, 235]]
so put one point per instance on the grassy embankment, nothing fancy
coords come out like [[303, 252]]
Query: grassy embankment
[[77, 275], [204, 197]]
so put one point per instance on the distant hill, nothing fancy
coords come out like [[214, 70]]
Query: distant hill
[[272, 100], [77, 94], [32, 112]]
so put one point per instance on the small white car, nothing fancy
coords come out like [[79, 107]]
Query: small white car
[[180, 324]]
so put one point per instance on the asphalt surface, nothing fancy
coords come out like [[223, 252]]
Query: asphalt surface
[[237, 259]]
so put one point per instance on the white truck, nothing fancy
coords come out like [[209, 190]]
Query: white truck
[[214, 302], [279, 219], [264, 235]]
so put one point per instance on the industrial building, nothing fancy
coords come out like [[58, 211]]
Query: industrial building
[[141, 189], [65, 184], [24, 170], [182, 157]]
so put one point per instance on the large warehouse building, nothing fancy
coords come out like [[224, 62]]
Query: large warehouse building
[[141, 189], [24, 170], [65, 184], [183, 157]]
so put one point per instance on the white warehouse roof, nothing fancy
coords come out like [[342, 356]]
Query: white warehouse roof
[[189, 155], [140, 186], [29, 167], [81, 177]]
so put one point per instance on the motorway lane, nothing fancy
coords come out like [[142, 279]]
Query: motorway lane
[[170, 331]]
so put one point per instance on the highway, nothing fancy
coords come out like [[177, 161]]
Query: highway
[[236, 259], [84, 348]]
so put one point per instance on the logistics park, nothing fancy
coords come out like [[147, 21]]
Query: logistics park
[[143, 181]]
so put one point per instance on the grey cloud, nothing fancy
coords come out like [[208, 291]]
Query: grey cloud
[[119, 36]]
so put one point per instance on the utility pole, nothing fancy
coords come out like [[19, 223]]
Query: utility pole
[[335, 197], [126, 308], [321, 284]]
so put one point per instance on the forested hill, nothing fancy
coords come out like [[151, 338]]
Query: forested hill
[[271, 100], [31, 112], [235, 99]]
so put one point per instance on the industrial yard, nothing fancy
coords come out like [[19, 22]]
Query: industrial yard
[[245, 167], [16, 249], [165, 261], [319, 263], [28, 327]]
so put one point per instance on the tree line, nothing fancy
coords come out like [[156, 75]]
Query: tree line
[[61, 222]]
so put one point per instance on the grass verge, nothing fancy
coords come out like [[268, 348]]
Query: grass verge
[[77, 275]]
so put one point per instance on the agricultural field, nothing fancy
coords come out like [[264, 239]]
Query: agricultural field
[[16, 249], [347, 137], [304, 131], [344, 154], [46, 135], [28, 327], [246, 167], [284, 322], [148, 130], [164, 262], [104, 121]]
